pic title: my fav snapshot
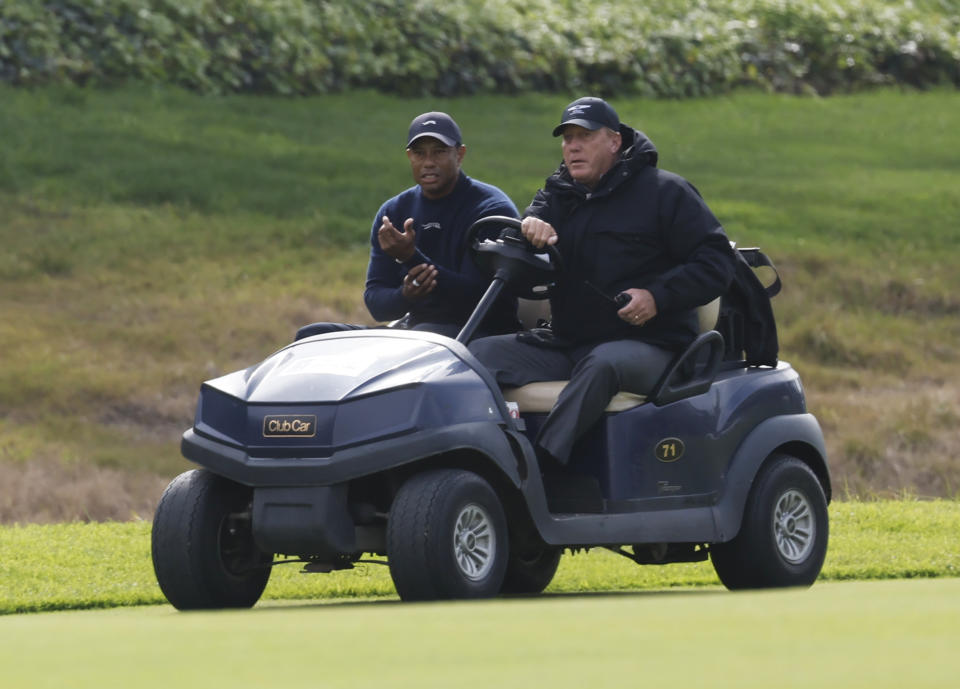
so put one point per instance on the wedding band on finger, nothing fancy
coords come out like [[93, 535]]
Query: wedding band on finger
[[415, 283]]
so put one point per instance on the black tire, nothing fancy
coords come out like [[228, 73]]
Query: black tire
[[784, 533], [203, 551], [447, 537], [532, 570]]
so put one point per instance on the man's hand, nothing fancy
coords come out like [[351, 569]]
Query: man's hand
[[538, 232], [420, 281], [396, 244], [641, 307]]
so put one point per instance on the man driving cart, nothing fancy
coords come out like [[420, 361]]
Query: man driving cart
[[623, 227]]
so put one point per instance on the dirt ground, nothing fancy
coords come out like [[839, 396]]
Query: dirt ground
[[46, 491], [892, 441]]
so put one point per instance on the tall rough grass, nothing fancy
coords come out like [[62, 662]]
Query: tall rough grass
[[153, 239]]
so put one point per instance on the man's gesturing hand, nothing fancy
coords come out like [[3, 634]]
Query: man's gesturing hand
[[396, 244], [420, 281]]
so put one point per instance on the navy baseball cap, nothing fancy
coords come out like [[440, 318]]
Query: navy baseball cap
[[439, 125], [589, 113]]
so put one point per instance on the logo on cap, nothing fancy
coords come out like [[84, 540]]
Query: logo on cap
[[589, 112], [436, 124]]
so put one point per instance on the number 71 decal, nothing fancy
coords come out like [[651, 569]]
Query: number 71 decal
[[669, 449]]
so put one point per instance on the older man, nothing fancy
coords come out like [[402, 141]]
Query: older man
[[418, 268], [622, 226]]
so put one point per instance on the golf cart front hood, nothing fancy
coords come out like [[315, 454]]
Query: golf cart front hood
[[341, 389], [334, 368]]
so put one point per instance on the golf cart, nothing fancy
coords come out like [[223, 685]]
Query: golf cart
[[400, 444]]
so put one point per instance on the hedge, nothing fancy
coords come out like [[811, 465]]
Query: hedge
[[676, 48]]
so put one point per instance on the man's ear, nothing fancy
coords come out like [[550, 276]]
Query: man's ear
[[461, 152], [616, 142]]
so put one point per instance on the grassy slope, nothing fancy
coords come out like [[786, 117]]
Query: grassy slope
[[64, 566], [153, 239]]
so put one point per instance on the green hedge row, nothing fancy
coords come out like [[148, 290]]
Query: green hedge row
[[444, 47]]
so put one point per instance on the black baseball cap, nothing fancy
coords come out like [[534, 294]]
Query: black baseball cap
[[439, 125], [589, 113]]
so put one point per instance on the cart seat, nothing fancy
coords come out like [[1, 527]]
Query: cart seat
[[541, 396]]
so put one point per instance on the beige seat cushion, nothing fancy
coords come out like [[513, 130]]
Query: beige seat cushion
[[708, 314], [540, 397]]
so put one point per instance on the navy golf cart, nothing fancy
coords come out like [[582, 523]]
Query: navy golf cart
[[399, 444]]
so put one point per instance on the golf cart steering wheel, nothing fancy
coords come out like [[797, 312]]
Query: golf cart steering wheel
[[527, 271]]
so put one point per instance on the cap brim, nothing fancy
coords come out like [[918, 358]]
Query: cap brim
[[586, 124], [434, 135]]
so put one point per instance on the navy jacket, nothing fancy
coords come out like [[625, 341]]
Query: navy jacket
[[441, 226], [640, 227]]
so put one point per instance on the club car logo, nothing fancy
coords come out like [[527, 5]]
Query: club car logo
[[669, 449], [289, 425]]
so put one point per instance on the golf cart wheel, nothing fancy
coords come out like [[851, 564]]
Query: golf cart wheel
[[784, 534], [532, 570], [203, 550], [447, 537]]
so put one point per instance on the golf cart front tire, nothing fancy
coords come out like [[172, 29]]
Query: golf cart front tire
[[447, 537], [203, 552]]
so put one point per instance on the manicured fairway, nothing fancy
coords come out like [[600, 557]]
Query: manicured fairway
[[899, 634]]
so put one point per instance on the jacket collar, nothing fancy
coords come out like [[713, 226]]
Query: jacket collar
[[636, 153]]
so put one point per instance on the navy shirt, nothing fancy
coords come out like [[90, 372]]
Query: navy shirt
[[441, 226]]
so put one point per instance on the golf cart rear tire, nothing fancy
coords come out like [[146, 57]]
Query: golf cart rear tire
[[531, 571], [447, 537], [783, 538], [203, 551]]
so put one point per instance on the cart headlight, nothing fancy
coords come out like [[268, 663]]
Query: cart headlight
[[391, 413]]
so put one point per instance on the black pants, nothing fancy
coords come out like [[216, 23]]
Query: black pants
[[596, 372]]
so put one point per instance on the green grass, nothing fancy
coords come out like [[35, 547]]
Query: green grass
[[67, 566], [153, 239], [869, 635]]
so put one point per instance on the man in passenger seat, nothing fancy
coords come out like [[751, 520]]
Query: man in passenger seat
[[418, 263], [622, 226]]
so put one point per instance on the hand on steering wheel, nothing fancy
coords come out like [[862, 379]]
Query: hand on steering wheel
[[532, 268], [538, 232]]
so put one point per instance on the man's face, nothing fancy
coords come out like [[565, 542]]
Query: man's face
[[589, 153], [435, 165]]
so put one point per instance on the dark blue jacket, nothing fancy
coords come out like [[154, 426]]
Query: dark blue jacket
[[640, 227], [441, 226]]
